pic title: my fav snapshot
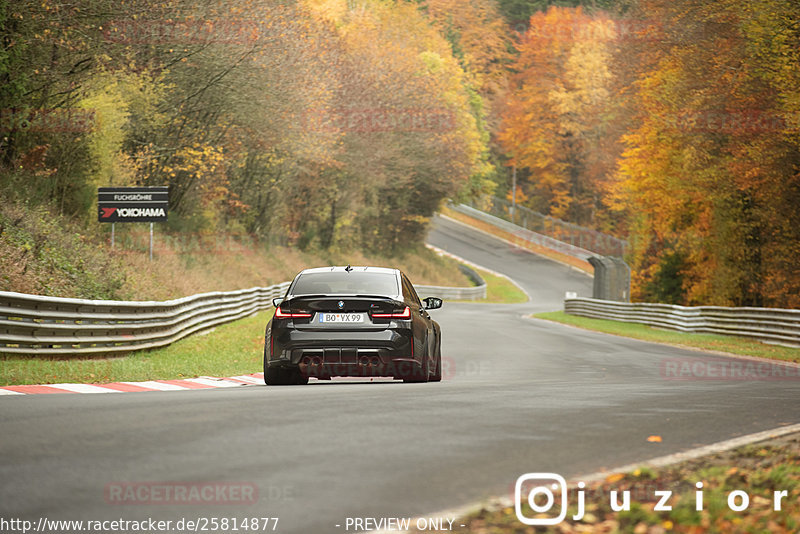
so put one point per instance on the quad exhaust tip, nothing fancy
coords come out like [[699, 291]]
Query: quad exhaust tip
[[364, 361]]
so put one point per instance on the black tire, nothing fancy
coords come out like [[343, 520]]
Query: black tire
[[274, 376], [424, 374], [299, 379], [437, 371]]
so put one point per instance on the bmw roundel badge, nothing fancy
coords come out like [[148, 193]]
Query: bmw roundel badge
[[341, 304]]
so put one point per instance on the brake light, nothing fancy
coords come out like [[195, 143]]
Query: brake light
[[280, 314], [405, 314]]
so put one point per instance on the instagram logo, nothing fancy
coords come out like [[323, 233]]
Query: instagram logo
[[540, 491], [535, 487]]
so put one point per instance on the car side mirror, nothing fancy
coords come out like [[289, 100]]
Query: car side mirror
[[433, 303], [277, 302]]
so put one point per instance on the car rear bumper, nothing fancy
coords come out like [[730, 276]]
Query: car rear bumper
[[326, 354]]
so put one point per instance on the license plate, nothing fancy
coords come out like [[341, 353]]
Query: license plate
[[341, 318]]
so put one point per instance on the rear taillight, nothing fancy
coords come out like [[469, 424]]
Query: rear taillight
[[405, 314], [280, 314]]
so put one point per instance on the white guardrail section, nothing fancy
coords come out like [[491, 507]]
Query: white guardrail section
[[37, 325], [452, 293], [476, 292], [770, 325]]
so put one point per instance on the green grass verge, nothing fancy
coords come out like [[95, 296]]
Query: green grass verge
[[232, 349], [758, 470], [499, 290], [709, 342]]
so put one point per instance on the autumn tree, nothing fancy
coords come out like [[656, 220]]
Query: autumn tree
[[310, 123], [555, 127], [710, 173]]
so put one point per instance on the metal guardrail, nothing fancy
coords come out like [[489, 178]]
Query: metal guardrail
[[612, 276], [478, 291], [528, 235], [37, 325], [770, 325], [32, 324], [581, 237], [452, 293]]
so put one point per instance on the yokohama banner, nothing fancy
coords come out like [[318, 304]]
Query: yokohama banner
[[132, 204]]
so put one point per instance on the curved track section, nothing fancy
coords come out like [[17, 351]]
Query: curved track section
[[518, 395]]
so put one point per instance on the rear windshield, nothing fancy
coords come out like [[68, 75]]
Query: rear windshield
[[343, 283]]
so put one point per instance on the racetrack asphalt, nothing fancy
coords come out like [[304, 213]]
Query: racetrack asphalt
[[519, 395]]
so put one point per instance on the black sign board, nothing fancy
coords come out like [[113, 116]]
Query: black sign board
[[132, 204]]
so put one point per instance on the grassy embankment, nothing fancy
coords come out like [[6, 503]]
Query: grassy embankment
[[499, 290], [229, 350], [706, 342], [44, 254]]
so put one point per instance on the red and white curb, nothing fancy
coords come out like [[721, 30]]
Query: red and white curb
[[203, 382]]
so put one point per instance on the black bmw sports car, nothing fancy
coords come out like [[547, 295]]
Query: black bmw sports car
[[352, 321]]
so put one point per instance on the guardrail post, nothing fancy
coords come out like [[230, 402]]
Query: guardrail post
[[622, 275], [612, 279], [600, 286]]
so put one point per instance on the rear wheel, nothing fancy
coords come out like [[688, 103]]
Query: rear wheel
[[278, 376], [300, 379], [275, 376], [437, 371], [422, 375]]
